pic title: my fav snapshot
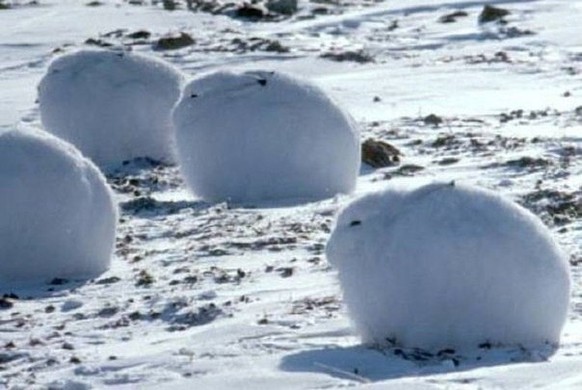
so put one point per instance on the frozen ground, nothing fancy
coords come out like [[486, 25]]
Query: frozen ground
[[214, 296]]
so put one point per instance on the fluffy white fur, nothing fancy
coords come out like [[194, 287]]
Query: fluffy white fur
[[57, 214], [113, 106], [449, 266], [260, 136]]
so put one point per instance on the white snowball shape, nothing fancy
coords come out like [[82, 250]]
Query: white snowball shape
[[113, 106], [449, 266], [260, 136], [57, 214]]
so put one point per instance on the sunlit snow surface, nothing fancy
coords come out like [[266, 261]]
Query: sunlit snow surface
[[207, 296]]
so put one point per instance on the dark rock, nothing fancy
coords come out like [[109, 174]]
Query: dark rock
[[286, 272], [140, 34], [408, 170], [5, 303], [359, 56], [448, 161], [379, 154], [75, 360], [433, 120], [98, 42], [110, 280], [169, 5], [68, 346], [251, 11], [492, 14], [144, 279], [284, 7], [108, 311], [276, 47], [174, 42], [528, 162], [452, 17]]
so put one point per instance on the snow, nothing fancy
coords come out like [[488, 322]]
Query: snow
[[148, 322], [113, 105], [262, 136], [58, 216], [449, 266]]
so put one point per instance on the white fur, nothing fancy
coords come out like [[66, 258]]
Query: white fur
[[113, 106], [57, 215], [449, 266], [242, 141]]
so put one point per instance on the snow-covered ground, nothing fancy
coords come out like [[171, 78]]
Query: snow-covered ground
[[212, 296]]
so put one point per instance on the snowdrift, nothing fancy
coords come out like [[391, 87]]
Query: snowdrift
[[449, 266], [57, 214], [264, 136], [114, 106]]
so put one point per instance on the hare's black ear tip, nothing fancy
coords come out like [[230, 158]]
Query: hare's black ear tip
[[452, 183]]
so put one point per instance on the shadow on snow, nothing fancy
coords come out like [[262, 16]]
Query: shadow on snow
[[366, 364]]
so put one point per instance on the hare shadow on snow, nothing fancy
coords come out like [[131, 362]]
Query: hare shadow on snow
[[367, 365]]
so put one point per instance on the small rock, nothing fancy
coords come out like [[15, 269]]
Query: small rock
[[68, 346], [5, 303], [285, 7], [251, 11], [108, 311], [286, 272], [110, 280], [408, 170], [379, 154], [276, 47], [140, 34], [359, 56], [98, 42], [144, 279], [169, 5], [452, 17], [174, 42], [75, 360], [433, 120], [492, 14], [448, 161]]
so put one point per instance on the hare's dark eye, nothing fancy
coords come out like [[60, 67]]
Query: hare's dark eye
[[355, 223], [262, 82]]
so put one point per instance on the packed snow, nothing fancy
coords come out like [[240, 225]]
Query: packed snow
[[113, 105], [214, 296], [262, 136], [57, 215], [449, 266]]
